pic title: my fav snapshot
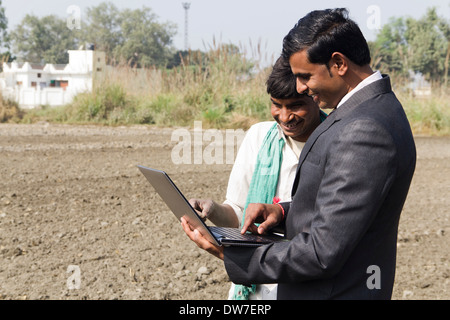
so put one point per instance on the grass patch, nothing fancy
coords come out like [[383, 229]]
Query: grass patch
[[429, 115], [224, 89], [10, 111]]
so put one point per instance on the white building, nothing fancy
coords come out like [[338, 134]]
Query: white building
[[33, 85]]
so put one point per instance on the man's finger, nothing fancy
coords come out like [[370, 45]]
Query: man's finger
[[187, 228], [267, 225], [251, 215], [247, 226], [251, 228], [194, 203], [193, 234], [203, 243], [196, 235]]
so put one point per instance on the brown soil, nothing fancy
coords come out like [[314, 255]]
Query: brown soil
[[72, 196]]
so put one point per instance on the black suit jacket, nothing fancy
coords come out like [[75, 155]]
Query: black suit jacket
[[352, 180]]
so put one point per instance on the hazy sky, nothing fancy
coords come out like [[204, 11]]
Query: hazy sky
[[242, 22]]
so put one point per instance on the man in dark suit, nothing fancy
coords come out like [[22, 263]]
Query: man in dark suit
[[352, 180]]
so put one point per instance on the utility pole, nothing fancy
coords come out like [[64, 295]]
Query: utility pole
[[186, 6]]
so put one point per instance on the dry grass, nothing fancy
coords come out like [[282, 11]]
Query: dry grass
[[9, 110], [223, 89]]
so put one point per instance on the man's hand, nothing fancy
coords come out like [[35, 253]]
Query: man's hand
[[269, 215], [204, 208], [201, 241], [221, 215]]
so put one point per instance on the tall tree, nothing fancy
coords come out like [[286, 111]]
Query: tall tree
[[390, 47], [101, 27], [145, 42], [444, 26], [4, 41], [131, 36], [428, 45], [5, 54], [407, 44], [43, 40]]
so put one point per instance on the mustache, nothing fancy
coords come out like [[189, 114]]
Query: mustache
[[292, 122]]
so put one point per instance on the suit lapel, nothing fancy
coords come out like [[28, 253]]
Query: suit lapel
[[324, 126], [381, 86], [376, 88]]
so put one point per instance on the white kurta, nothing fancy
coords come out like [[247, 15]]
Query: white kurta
[[241, 175]]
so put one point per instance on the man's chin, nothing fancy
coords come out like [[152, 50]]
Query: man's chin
[[290, 134], [324, 105], [291, 131], [327, 105]]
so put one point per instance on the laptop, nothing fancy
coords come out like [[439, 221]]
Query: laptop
[[177, 203]]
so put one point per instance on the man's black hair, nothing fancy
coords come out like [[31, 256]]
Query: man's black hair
[[281, 83], [324, 32]]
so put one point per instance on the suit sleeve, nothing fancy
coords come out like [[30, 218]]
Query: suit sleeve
[[358, 170]]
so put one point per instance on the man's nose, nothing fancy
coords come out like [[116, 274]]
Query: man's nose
[[301, 87], [285, 115]]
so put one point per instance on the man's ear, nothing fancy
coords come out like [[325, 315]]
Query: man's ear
[[339, 62]]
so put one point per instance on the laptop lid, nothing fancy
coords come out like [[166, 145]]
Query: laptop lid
[[176, 201]]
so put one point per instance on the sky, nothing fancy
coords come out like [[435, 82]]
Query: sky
[[246, 23]]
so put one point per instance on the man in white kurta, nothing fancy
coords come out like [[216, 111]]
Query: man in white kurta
[[296, 117], [241, 175]]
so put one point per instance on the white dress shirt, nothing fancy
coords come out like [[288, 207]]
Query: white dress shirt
[[372, 78]]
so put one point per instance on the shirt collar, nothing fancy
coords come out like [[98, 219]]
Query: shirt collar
[[372, 78], [280, 132]]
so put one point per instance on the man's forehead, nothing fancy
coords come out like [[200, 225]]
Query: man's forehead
[[300, 63], [290, 101]]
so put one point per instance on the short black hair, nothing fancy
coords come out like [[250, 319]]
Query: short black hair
[[281, 83], [323, 32]]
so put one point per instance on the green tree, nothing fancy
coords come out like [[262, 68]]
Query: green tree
[[390, 47], [407, 44], [5, 54], [185, 58], [101, 27], [43, 40], [444, 27], [4, 40], [428, 45], [145, 42], [131, 36]]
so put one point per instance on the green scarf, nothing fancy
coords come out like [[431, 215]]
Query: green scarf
[[263, 186]]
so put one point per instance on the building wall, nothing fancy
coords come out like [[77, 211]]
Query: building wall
[[30, 98], [52, 85]]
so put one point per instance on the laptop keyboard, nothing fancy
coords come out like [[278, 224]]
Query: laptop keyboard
[[235, 234]]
